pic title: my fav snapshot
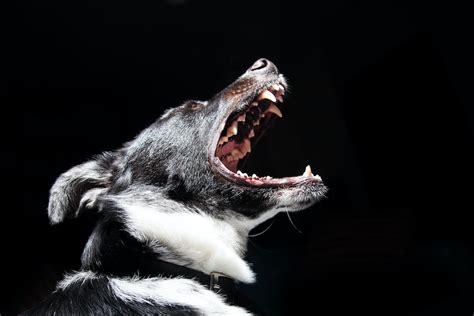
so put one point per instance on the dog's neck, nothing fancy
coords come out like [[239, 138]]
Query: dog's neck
[[192, 238], [177, 234]]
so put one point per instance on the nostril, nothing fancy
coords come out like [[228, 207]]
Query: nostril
[[259, 64]]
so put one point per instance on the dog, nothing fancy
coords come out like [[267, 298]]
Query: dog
[[174, 208]]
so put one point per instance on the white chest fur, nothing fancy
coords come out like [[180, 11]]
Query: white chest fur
[[211, 245]]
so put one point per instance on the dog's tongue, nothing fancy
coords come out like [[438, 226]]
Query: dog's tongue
[[224, 151]]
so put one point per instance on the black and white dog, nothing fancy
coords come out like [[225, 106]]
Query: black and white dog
[[175, 210]]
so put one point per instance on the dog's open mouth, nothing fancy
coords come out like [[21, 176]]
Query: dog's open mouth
[[241, 131]]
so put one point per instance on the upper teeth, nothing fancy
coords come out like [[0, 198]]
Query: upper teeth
[[223, 140], [274, 109], [241, 145], [248, 122], [232, 130], [267, 95]]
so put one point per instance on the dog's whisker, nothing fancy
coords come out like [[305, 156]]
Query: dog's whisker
[[264, 231], [291, 221]]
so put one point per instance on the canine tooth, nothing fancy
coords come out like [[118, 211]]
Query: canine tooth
[[280, 98], [241, 118], [307, 171], [281, 87], [251, 133], [267, 95], [276, 87], [274, 109]]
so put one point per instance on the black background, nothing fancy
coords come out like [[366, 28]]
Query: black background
[[380, 106]]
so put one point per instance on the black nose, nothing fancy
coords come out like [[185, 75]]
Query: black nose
[[263, 65]]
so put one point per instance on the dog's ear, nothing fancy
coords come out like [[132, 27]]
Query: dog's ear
[[78, 188]]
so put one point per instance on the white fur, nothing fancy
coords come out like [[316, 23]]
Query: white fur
[[211, 245], [76, 277], [90, 197], [173, 291], [160, 291]]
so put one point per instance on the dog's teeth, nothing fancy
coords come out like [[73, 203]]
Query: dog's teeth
[[232, 130], [245, 175], [307, 171], [236, 154], [268, 177], [254, 104], [267, 95], [223, 140], [317, 177], [241, 118], [276, 87], [274, 109], [246, 146], [239, 173], [254, 176], [281, 87], [280, 98], [251, 134]]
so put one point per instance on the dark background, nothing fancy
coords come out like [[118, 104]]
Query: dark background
[[380, 106]]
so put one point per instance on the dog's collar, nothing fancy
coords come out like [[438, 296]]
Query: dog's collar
[[215, 281]]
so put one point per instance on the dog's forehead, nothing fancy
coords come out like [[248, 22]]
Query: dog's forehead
[[184, 111]]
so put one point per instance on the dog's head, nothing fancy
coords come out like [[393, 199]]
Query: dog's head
[[192, 155]]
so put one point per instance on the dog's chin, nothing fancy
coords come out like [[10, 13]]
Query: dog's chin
[[300, 197]]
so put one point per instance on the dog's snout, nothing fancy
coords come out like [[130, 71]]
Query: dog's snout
[[263, 65]]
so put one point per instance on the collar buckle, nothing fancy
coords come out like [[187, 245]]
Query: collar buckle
[[214, 281]]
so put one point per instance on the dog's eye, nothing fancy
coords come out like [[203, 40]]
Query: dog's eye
[[194, 106]]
